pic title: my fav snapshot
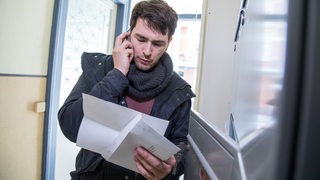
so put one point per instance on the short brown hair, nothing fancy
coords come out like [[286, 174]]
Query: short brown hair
[[158, 14]]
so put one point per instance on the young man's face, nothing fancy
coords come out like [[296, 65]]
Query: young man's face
[[148, 45]]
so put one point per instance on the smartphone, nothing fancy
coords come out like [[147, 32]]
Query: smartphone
[[128, 37]]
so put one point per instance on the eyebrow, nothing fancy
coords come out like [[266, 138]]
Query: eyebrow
[[153, 41]]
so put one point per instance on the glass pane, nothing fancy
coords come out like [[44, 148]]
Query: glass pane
[[87, 30], [184, 49], [186, 6]]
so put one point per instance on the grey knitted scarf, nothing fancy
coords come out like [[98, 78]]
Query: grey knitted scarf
[[148, 84]]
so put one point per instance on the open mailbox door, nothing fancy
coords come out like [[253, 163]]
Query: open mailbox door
[[274, 111], [212, 154]]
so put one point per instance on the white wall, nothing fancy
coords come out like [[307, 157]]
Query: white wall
[[215, 75], [25, 36]]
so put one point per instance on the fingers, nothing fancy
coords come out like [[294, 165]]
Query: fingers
[[150, 166], [122, 53], [122, 42], [121, 38]]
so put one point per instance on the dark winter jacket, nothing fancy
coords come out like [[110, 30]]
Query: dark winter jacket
[[101, 80]]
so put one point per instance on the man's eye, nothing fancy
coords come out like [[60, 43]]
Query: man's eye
[[141, 40], [156, 44]]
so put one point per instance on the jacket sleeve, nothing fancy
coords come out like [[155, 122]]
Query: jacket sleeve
[[177, 133], [109, 88]]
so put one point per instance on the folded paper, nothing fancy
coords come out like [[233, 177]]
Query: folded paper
[[115, 131]]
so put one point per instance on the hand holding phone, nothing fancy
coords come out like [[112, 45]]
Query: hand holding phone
[[122, 53]]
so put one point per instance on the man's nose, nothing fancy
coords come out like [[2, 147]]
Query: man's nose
[[147, 50]]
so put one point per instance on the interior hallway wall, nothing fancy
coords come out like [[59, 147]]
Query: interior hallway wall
[[25, 28], [216, 68]]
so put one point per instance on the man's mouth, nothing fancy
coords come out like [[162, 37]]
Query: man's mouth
[[144, 61]]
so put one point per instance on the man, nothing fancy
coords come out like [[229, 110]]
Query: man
[[138, 75]]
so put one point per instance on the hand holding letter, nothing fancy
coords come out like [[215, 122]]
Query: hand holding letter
[[152, 167]]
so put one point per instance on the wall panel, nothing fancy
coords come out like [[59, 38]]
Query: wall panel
[[21, 127], [215, 76]]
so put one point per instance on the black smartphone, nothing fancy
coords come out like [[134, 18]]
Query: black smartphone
[[128, 37]]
